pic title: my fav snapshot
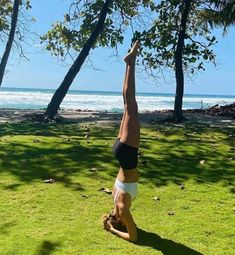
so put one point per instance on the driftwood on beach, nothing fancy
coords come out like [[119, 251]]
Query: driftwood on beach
[[226, 110], [16, 115]]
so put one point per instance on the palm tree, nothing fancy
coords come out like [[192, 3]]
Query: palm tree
[[220, 14], [179, 72], [60, 93], [14, 18]]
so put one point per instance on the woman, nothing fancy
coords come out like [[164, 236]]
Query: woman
[[126, 151]]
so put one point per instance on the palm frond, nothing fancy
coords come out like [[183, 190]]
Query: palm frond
[[222, 15]]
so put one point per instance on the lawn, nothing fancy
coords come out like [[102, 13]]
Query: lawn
[[189, 168]]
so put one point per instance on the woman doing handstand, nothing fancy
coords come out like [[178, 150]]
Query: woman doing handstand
[[126, 152]]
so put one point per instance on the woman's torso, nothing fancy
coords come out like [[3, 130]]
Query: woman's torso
[[128, 176]]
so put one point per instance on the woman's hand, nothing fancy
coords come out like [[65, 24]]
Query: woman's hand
[[107, 225], [106, 222]]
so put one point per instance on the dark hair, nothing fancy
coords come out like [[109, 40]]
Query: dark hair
[[111, 218]]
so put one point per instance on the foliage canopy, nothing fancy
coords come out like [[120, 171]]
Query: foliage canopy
[[72, 32], [159, 42]]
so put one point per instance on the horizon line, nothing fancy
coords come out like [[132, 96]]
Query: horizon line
[[113, 91]]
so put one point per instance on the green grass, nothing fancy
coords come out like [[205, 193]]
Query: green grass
[[65, 217]]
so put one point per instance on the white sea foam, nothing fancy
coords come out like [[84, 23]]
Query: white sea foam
[[107, 101]]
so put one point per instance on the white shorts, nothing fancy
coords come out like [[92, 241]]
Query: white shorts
[[130, 188]]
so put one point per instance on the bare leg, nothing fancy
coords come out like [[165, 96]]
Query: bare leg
[[130, 133], [124, 100], [121, 125], [124, 113]]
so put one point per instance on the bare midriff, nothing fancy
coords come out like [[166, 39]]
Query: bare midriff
[[128, 175]]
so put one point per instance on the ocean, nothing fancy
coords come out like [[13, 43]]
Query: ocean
[[21, 98]]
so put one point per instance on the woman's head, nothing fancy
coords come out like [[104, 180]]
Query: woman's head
[[116, 223]]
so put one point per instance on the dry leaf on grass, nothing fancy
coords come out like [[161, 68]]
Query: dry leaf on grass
[[202, 162], [51, 180], [87, 136], [93, 169], [106, 190], [156, 198], [36, 140], [182, 186], [84, 195]]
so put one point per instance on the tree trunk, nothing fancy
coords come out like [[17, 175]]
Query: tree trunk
[[53, 106], [7, 51], [179, 73]]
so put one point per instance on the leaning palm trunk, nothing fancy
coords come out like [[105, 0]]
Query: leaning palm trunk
[[179, 73], [53, 106], [11, 36]]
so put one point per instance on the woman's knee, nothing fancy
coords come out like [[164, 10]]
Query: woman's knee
[[131, 106]]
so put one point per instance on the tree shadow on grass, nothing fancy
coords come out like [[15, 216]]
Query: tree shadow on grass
[[30, 163], [47, 248], [12, 187], [177, 155], [173, 154], [166, 246], [55, 130], [51, 155]]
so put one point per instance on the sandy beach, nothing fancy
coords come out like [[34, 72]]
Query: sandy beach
[[110, 118]]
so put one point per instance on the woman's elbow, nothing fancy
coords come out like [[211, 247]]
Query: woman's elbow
[[134, 238]]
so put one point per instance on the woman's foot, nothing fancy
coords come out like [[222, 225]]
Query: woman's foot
[[131, 56]]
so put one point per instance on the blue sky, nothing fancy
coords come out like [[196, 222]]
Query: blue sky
[[44, 71]]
